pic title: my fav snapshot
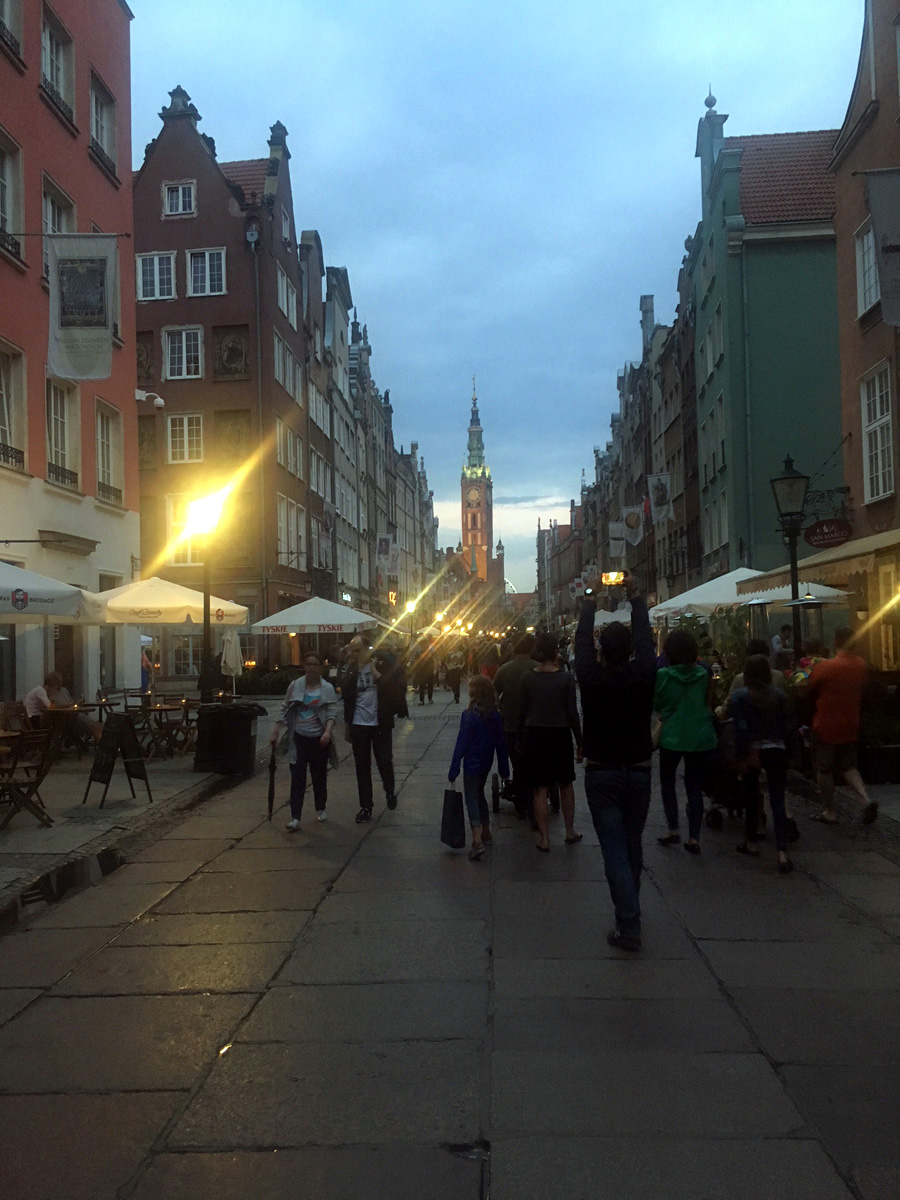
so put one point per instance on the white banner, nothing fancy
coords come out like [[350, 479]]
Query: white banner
[[84, 288], [661, 507], [617, 539], [883, 197], [633, 520]]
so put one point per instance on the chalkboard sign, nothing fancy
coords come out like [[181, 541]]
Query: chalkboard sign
[[119, 737]]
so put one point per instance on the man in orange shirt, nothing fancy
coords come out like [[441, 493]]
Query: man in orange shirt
[[835, 688]]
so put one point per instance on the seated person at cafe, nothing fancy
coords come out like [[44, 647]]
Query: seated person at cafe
[[52, 694]]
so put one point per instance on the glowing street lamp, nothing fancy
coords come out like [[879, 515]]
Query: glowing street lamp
[[203, 518]]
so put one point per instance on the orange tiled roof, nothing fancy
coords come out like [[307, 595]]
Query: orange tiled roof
[[784, 176], [248, 173]]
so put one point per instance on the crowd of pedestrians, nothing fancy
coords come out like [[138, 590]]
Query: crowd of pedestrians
[[523, 714]]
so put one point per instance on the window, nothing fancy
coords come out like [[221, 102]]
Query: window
[[186, 438], [318, 344], [61, 435], [184, 353], [109, 453], [206, 272], [868, 290], [187, 654], [156, 276], [279, 360], [319, 409], [285, 224], [10, 194], [10, 25], [57, 216], [178, 198], [12, 432], [56, 65], [878, 438], [718, 342], [287, 296], [103, 124], [182, 551]]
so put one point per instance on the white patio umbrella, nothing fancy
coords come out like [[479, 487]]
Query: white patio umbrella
[[605, 617], [158, 602], [232, 657], [315, 616], [704, 599], [26, 596]]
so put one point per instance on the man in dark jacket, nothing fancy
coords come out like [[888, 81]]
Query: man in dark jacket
[[508, 686], [370, 702], [616, 703]]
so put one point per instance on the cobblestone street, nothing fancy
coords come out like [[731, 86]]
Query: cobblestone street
[[353, 1013]]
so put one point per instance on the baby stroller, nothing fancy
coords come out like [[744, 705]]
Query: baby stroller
[[721, 782]]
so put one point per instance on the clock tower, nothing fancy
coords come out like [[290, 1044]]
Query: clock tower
[[477, 500]]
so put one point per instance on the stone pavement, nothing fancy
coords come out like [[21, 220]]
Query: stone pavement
[[81, 831], [352, 1013]]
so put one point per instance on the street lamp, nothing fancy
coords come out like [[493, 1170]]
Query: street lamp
[[789, 490], [410, 608], [203, 518]]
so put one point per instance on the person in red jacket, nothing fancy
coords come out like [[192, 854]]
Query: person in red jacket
[[835, 688]]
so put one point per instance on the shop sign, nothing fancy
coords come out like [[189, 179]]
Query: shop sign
[[826, 534]]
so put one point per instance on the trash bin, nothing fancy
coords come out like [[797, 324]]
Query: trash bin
[[210, 737], [226, 738]]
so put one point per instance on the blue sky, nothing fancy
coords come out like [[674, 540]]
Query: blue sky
[[502, 180]]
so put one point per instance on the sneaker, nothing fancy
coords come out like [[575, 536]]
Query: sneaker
[[392, 802], [293, 825], [320, 815], [364, 814], [623, 941]]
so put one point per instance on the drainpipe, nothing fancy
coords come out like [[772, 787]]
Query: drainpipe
[[751, 524], [259, 416]]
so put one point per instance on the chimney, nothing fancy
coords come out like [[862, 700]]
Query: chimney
[[648, 321]]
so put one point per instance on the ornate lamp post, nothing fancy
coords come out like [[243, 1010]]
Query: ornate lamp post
[[789, 489], [202, 521]]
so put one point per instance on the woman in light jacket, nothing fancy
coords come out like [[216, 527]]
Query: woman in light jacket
[[309, 711]]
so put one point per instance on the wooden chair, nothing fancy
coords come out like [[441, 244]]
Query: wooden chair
[[20, 789], [13, 715]]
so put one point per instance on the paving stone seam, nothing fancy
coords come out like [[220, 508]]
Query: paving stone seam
[[807, 1123], [159, 1144]]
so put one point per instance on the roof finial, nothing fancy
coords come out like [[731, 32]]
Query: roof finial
[[710, 100], [474, 397]]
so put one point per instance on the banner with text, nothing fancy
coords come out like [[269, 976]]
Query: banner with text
[[84, 286]]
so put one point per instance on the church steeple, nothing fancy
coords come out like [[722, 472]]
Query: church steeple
[[475, 461]]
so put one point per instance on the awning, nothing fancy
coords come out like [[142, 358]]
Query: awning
[[830, 566]]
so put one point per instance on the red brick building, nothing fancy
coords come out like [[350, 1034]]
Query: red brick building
[[69, 490], [229, 326]]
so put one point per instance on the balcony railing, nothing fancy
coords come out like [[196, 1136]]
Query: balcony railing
[[107, 492], [102, 157], [10, 244], [60, 475], [9, 39], [11, 457], [58, 100]]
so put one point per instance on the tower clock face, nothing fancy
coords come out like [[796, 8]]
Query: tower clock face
[[473, 496]]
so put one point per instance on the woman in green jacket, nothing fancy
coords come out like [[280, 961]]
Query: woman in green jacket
[[682, 702]]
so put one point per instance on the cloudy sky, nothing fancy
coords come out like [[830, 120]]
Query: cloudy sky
[[503, 179]]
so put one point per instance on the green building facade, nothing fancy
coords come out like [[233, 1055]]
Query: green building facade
[[763, 268]]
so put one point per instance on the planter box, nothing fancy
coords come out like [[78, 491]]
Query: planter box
[[880, 764]]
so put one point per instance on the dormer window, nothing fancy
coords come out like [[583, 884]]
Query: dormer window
[[179, 198]]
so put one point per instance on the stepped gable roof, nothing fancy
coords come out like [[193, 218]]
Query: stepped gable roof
[[785, 177], [249, 174]]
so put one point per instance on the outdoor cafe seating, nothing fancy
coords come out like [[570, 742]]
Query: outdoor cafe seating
[[26, 757]]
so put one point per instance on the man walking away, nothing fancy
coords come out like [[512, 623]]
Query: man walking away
[[370, 703], [616, 702], [835, 688], [508, 686], [454, 664]]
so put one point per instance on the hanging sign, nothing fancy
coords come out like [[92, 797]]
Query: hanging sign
[[826, 534], [661, 507], [83, 279], [633, 520]]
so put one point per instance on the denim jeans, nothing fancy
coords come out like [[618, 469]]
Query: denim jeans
[[694, 765], [774, 762], [367, 740], [476, 804], [619, 799], [309, 754]]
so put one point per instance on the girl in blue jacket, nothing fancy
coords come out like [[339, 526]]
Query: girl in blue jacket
[[480, 737]]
